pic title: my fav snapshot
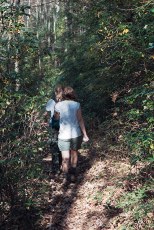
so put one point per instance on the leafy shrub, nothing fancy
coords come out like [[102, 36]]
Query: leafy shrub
[[140, 116]]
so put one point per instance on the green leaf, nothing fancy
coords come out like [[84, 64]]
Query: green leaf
[[152, 10]]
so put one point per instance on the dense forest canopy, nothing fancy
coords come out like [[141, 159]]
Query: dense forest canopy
[[105, 50]]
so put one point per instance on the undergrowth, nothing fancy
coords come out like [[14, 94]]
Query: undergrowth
[[130, 135]]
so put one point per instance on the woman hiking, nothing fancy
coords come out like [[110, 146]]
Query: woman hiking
[[71, 133]]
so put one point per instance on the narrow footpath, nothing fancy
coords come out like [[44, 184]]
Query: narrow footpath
[[90, 203]]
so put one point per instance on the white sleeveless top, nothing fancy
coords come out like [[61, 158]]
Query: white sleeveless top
[[69, 125]]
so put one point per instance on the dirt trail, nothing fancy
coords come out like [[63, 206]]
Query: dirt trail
[[88, 204]]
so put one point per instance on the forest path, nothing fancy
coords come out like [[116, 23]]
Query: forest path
[[90, 203]]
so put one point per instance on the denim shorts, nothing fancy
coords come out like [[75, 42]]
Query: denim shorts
[[70, 144]]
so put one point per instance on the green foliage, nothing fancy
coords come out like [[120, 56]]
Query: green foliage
[[104, 41], [140, 116], [25, 88], [98, 197], [138, 205], [99, 48]]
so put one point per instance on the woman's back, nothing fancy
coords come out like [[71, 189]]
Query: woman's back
[[69, 125]]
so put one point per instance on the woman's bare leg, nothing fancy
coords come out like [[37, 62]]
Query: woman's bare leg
[[65, 161], [74, 161], [74, 158]]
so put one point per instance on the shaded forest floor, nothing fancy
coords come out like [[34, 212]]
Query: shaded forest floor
[[104, 174], [90, 202]]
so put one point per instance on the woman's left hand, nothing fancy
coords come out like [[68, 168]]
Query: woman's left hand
[[85, 139]]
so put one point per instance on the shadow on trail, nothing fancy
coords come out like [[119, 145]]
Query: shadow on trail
[[21, 218], [62, 213], [63, 198]]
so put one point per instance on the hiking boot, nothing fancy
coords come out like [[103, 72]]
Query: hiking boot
[[73, 178], [66, 178]]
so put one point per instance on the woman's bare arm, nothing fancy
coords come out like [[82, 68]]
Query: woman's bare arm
[[82, 125]]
